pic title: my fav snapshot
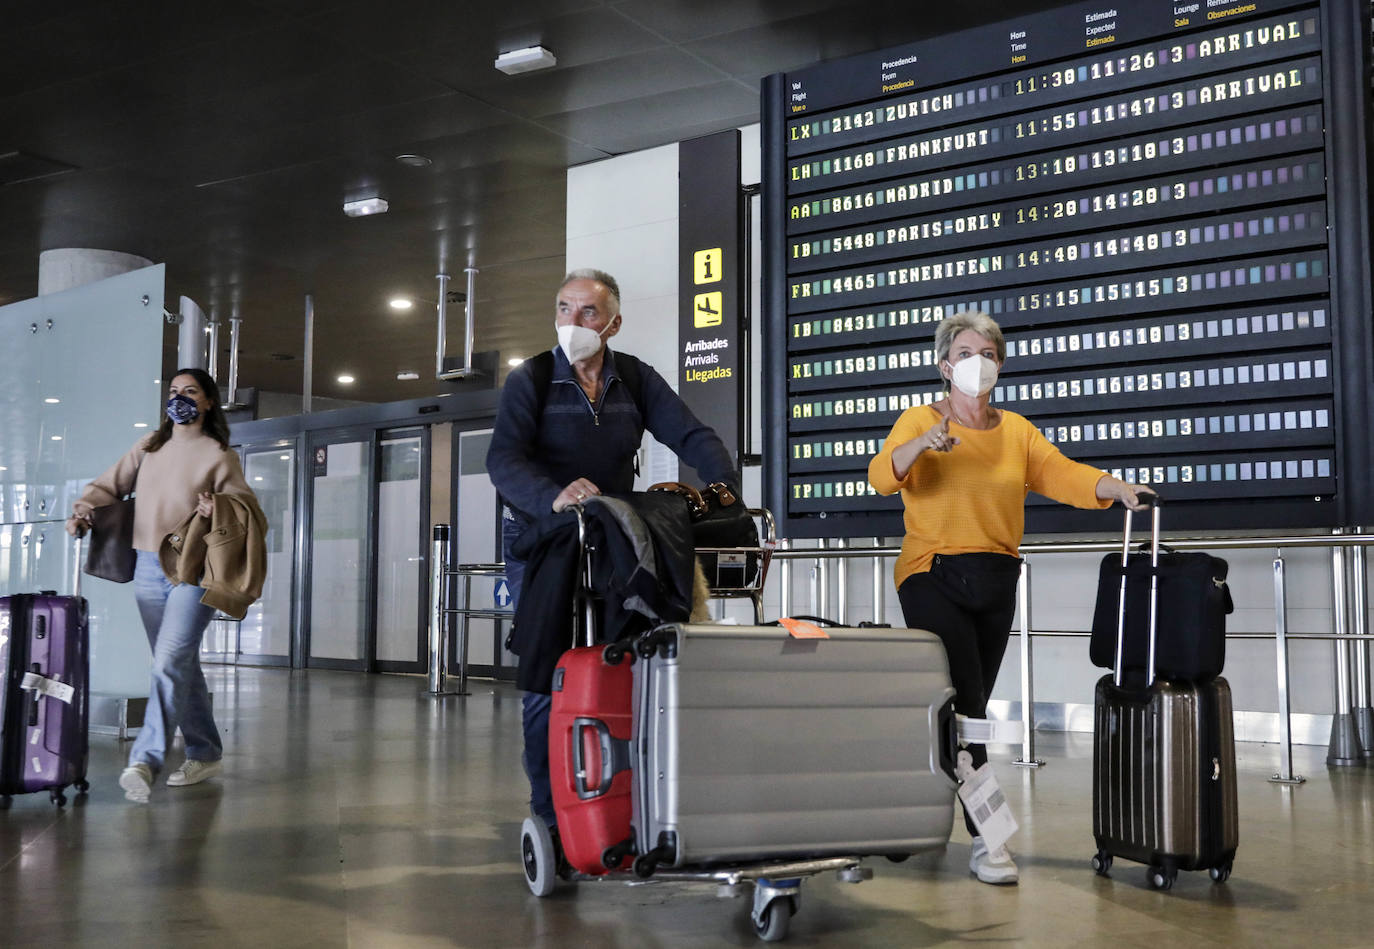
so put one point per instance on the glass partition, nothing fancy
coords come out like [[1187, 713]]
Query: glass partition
[[80, 382]]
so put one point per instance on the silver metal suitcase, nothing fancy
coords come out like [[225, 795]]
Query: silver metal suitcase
[[750, 744]]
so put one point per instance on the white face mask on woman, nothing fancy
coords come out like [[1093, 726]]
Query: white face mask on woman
[[578, 342], [974, 375]]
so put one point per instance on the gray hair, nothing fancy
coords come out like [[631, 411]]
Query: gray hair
[[600, 276], [976, 320]]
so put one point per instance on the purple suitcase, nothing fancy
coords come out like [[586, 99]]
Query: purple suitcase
[[44, 650]]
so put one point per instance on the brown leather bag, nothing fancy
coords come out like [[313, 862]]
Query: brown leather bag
[[111, 555]]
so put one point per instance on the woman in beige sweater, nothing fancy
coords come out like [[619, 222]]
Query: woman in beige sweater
[[173, 472]]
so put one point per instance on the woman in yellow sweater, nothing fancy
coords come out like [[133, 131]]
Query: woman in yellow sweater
[[964, 469]]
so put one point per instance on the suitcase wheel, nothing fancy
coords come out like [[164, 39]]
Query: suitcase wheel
[[1220, 874], [537, 856], [772, 921], [57, 797], [82, 786], [1102, 863], [1162, 878]]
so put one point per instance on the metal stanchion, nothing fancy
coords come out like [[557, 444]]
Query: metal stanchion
[[463, 628], [1027, 759], [820, 583], [1344, 747], [438, 640], [1359, 590], [784, 580], [879, 586], [1285, 775], [841, 587]]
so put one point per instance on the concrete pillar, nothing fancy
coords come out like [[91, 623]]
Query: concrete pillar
[[66, 267], [191, 336]]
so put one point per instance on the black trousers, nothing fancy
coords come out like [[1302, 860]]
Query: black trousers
[[968, 600]]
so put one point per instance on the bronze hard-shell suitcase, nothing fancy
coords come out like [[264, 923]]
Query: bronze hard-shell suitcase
[[1164, 768]]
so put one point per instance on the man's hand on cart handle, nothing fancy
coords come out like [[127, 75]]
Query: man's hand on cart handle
[[575, 493]]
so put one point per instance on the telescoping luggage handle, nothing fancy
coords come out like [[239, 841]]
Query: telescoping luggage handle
[[1151, 501], [76, 571]]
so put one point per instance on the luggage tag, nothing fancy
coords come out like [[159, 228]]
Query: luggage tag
[[33, 682], [988, 731], [800, 629], [984, 802]]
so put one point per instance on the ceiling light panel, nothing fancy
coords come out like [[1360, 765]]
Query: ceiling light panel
[[525, 60]]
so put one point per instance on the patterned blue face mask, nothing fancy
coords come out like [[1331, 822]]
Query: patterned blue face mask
[[182, 409]]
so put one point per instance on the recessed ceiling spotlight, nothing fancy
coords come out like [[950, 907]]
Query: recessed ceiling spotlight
[[400, 303], [525, 60], [515, 361], [140, 425], [407, 376], [364, 206], [57, 438], [52, 401], [345, 380], [414, 161]]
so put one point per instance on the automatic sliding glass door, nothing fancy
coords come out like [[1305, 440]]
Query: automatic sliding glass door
[[402, 509], [340, 589]]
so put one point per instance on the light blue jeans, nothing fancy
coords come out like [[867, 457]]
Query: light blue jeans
[[175, 621]]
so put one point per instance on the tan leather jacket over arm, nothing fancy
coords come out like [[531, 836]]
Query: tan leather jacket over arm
[[225, 553]]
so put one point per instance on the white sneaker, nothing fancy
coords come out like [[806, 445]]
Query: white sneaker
[[137, 782], [193, 772], [991, 866]]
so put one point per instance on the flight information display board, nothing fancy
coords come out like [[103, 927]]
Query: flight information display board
[[1165, 207]]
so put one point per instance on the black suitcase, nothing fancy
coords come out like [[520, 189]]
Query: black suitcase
[[1164, 767], [1194, 601]]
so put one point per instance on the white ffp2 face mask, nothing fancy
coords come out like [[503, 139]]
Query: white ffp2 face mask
[[975, 375], [578, 342]]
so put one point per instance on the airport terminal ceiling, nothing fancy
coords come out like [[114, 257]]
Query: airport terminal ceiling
[[222, 139]]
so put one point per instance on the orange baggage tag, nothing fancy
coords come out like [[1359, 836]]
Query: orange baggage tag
[[800, 629]]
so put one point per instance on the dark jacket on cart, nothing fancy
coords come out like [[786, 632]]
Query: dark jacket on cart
[[638, 581], [538, 448]]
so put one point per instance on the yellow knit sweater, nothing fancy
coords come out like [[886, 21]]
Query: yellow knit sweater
[[973, 498]]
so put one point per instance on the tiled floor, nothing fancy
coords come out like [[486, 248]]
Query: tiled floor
[[353, 812]]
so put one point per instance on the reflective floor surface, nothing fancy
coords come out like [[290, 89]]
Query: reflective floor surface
[[354, 812]]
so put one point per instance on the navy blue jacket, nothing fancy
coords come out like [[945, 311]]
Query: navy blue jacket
[[532, 459]]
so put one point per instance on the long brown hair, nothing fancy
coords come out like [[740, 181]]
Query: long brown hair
[[216, 424]]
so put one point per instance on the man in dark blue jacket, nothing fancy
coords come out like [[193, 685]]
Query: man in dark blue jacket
[[563, 438]]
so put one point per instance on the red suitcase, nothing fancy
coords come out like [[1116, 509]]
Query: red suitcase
[[589, 760]]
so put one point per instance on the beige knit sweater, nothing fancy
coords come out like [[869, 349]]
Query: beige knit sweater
[[165, 483]]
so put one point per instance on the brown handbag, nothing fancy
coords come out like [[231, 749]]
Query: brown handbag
[[111, 555]]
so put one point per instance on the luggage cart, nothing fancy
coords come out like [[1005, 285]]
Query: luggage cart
[[776, 885], [740, 572]]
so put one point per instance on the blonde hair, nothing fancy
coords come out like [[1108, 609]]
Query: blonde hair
[[976, 320]]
